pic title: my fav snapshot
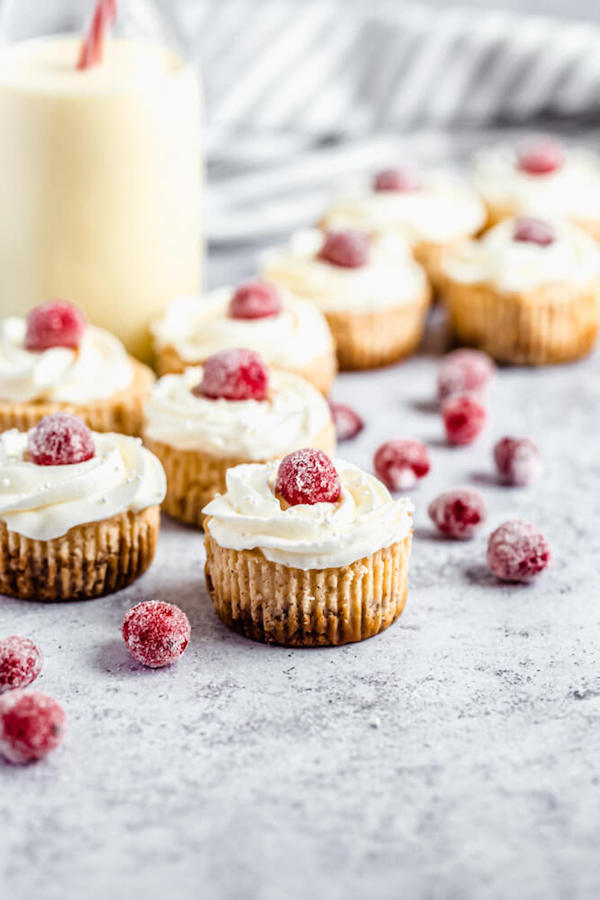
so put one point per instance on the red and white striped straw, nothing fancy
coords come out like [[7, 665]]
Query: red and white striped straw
[[92, 46]]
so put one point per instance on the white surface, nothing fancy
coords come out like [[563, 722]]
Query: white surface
[[454, 756]]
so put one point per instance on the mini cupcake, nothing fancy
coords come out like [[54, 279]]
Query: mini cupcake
[[54, 362], [79, 511], [433, 211], [540, 178], [306, 552], [232, 410], [374, 295], [527, 292], [287, 332]]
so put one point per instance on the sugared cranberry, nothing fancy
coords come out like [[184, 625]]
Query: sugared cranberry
[[347, 422], [402, 180], [400, 463], [464, 418], [20, 662], [347, 249], [464, 370], [60, 440], [54, 324], [458, 513], [156, 633], [307, 476], [517, 551], [237, 374], [542, 158], [518, 460], [255, 300], [533, 231], [31, 725]]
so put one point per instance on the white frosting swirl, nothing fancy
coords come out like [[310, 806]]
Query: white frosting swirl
[[572, 191], [365, 519], [443, 210], [292, 416], [44, 502], [509, 265], [96, 370], [389, 278], [199, 326]]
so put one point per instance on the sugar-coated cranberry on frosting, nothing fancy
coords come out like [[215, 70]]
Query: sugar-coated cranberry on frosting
[[31, 725], [458, 513], [20, 662], [530, 230], [518, 551], [518, 460], [348, 423], [543, 157], [156, 633], [401, 180], [54, 324], [255, 300], [464, 417], [400, 463], [60, 439], [307, 477], [347, 249], [464, 370], [237, 374]]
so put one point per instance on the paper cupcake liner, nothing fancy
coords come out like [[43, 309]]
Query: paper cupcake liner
[[550, 325], [122, 412], [269, 602], [194, 478], [87, 562], [378, 338]]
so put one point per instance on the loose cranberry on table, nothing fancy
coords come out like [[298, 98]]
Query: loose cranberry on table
[[255, 300], [400, 463], [518, 460], [307, 476], [31, 725], [540, 158], [464, 418], [458, 513], [518, 551], [348, 424], [237, 374], [156, 633], [20, 662], [530, 230], [464, 370], [346, 249], [400, 180], [60, 439], [54, 324]]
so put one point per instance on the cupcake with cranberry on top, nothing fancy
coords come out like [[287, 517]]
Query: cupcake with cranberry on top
[[79, 510], [53, 361], [307, 551], [232, 410], [373, 294], [527, 292], [289, 333]]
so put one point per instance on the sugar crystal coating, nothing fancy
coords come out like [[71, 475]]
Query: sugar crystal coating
[[54, 324], [517, 551], [347, 249], [156, 633], [60, 439], [458, 513], [400, 463], [31, 725], [237, 374], [307, 476], [20, 662]]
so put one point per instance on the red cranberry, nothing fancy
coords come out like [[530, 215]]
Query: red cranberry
[[60, 440], [31, 725], [307, 476], [238, 374], [156, 633], [400, 463], [517, 551], [20, 662], [255, 300], [54, 324], [518, 460], [533, 231], [458, 513], [347, 249], [348, 424], [542, 158], [403, 180], [464, 417], [464, 370]]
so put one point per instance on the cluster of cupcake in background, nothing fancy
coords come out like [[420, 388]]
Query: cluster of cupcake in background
[[237, 437]]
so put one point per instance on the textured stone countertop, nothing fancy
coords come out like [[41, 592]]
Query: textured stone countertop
[[457, 755]]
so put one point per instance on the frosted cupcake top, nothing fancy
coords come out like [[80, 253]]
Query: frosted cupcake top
[[291, 416], [526, 253], [250, 516], [388, 277]]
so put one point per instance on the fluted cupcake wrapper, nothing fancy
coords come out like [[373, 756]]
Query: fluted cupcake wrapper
[[122, 412], [270, 602], [194, 477], [87, 562]]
